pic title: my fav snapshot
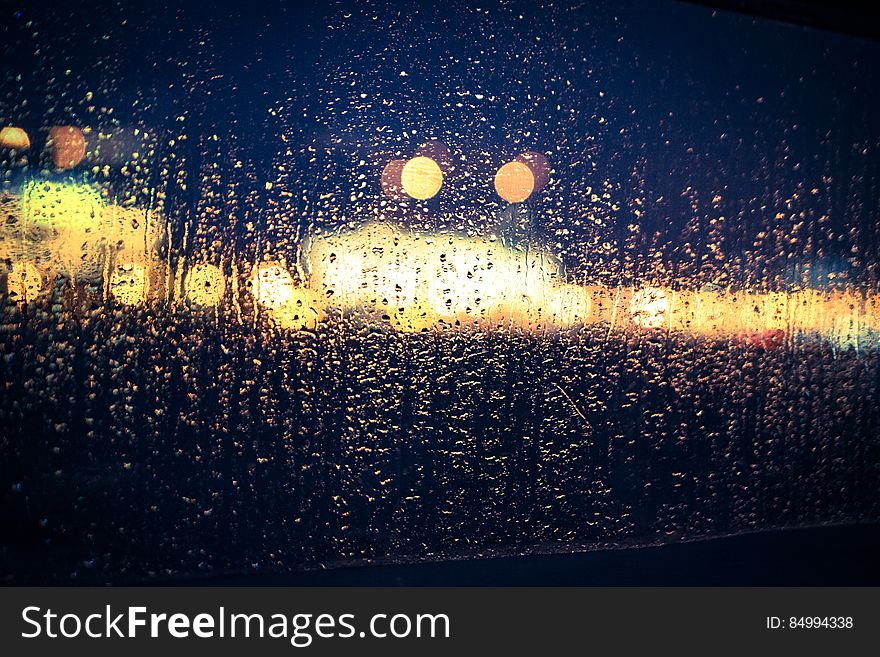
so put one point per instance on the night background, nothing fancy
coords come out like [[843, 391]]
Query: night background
[[690, 149]]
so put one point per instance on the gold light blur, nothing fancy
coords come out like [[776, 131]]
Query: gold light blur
[[570, 305], [15, 138], [514, 182], [25, 282], [650, 307], [68, 146], [422, 279], [205, 285], [69, 229], [272, 284], [418, 279], [303, 309], [289, 305], [421, 178], [129, 283], [60, 204]]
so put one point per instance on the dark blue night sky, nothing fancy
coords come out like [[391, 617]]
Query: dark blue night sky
[[683, 113]]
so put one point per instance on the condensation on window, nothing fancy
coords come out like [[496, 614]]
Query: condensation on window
[[286, 288]]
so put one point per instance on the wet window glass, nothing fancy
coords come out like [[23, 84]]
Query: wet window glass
[[286, 287]]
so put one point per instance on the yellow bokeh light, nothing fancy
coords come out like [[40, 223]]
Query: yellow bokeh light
[[412, 279], [570, 305], [129, 283], [25, 282], [421, 178], [12, 137], [649, 307], [514, 182], [421, 278], [60, 204], [69, 228], [302, 309], [272, 285], [872, 306], [205, 285]]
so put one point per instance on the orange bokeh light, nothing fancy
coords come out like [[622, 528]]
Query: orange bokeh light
[[68, 146], [514, 182], [17, 138]]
